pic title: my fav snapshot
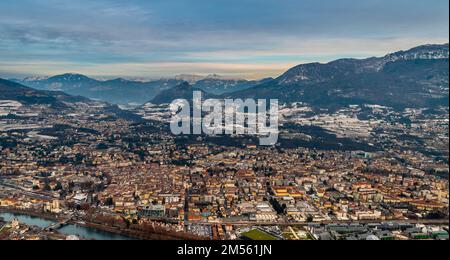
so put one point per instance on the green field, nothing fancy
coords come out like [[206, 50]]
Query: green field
[[258, 235]]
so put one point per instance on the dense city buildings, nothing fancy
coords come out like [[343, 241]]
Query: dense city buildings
[[95, 167], [233, 121]]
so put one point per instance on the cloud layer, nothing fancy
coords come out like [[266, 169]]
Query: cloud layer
[[241, 38]]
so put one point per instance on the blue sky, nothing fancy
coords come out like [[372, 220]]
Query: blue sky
[[234, 38]]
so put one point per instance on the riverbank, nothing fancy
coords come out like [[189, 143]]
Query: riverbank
[[43, 221], [87, 227], [32, 213]]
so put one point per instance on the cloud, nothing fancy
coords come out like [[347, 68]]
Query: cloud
[[315, 50], [108, 33]]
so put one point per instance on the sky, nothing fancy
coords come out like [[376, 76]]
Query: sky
[[248, 39]]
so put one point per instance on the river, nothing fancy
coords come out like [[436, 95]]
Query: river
[[82, 232]]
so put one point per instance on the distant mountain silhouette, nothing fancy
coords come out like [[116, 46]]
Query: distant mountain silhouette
[[59, 101], [218, 86], [14, 91], [413, 78], [182, 91], [122, 91], [117, 91]]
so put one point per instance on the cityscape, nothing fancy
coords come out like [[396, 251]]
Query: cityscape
[[362, 150]]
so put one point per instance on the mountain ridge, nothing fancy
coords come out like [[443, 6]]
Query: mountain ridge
[[184, 90], [383, 81], [123, 91], [374, 80], [14, 91]]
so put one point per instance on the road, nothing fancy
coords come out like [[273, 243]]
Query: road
[[34, 195], [294, 233], [407, 221]]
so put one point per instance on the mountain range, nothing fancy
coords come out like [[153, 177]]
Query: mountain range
[[418, 77], [25, 95], [58, 101], [217, 85], [122, 91], [415, 78], [182, 91], [116, 91]]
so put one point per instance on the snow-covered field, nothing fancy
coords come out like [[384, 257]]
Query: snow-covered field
[[4, 126], [159, 113], [8, 106], [343, 123], [36, 135]]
